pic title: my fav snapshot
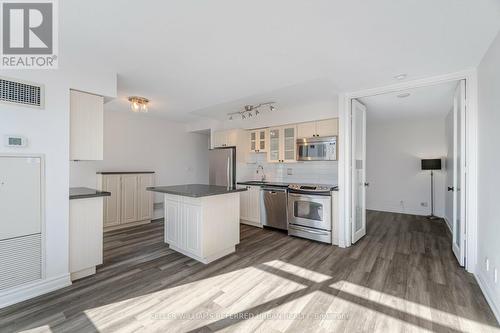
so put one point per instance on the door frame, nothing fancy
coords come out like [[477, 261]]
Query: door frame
[[344, 106]]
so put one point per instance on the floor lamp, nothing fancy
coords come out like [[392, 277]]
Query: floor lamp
[[432, 164]]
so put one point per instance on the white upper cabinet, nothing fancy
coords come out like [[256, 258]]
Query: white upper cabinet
[[327, 127], [258, 140], [86, 126], [226, 138], [306, 130], [282, 144]]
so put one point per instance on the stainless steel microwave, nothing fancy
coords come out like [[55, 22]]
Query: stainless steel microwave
[[317, 149]]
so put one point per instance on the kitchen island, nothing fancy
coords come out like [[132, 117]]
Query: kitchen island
[[201, 221]]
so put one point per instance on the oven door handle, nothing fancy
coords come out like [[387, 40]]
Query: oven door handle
[[314, 197], [291, 226]]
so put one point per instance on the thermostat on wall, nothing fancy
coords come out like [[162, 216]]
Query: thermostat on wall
[[15, 141]]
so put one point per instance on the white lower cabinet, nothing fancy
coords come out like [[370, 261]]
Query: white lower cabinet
[[204, 228], [85, 236], [250, 206], [130, 203]]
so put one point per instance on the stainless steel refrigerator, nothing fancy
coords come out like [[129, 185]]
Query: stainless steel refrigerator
[[222, 166]]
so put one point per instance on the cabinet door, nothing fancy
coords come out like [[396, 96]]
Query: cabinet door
[[262, 141], [253, 141], [306, 130], [145, 198], [231, 138], [191, 226], [86, 126], [289, 144], [274, 152], [85, 233], [112, 204], [328, 127], [219, 139], [172, 222], [129, 199], [254, 204], [244, 204]]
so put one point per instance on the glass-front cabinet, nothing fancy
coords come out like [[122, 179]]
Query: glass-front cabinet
[[258, 141], [282, 144]]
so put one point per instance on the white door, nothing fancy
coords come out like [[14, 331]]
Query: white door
[[358, 168], [459, 173]]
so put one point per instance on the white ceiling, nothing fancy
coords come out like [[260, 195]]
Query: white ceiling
[[432, 101], [188, 55]]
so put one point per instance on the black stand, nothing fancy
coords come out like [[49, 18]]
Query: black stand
[[432, 217]]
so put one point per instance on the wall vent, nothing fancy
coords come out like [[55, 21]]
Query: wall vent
[[20, 260], [21, 93]]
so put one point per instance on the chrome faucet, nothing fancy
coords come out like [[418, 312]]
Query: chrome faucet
[[263, 177]]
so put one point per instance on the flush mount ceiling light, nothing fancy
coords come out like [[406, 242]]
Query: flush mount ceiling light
[[401, 76], [403, 95], [138, 104], [252, 110]]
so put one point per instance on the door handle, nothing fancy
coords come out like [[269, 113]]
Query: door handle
[[451, 189], [366, 184]]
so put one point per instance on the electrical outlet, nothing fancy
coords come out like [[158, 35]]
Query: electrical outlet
[[496, 276], [424, 204], [289, 171], [487, 263]]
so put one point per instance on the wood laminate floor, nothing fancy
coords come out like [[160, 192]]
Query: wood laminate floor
[[401, 277]]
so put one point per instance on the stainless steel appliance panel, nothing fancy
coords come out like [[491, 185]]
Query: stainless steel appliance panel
[[222, 166], [317, 149], [309, 233], [307, 210], [273, 208]]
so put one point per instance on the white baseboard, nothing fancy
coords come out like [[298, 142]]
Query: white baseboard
[[448, 224], [31, 290], [488, 293], [399, 211]]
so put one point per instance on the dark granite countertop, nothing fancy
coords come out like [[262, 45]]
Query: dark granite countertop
[[85, 192], [121, 172], [278, 184], [195, 190], [264, 183]]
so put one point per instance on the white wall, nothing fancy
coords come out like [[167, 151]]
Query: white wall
[[394, 151], [137, 142], [488, 167], [48, 133]]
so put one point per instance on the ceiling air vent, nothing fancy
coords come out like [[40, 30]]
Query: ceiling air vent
[[21, 93]]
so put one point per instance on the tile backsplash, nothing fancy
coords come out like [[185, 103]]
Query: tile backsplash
[[315, 172]]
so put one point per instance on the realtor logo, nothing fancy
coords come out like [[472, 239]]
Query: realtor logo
[[29, 34]]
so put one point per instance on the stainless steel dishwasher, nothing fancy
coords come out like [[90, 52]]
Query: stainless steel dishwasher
[[273, 203]]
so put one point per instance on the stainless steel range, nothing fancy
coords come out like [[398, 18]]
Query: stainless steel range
[[310, 212]]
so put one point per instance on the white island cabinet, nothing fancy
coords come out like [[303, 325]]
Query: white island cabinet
[[201, 221]]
